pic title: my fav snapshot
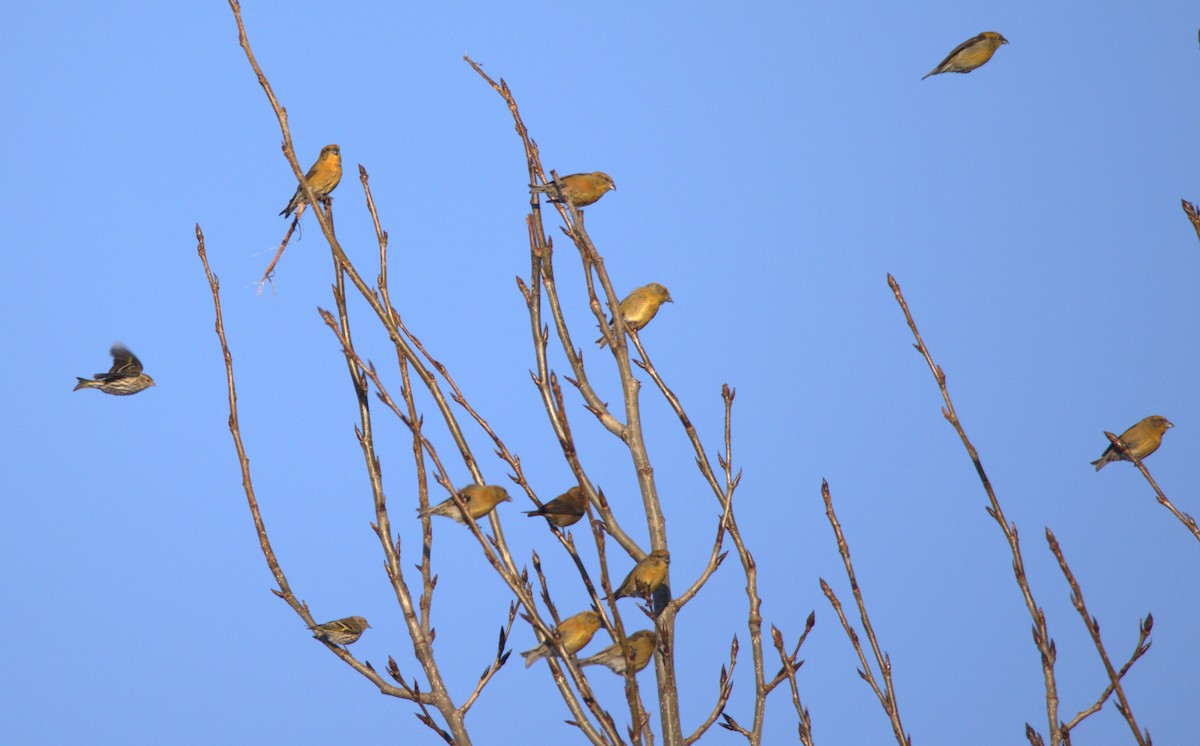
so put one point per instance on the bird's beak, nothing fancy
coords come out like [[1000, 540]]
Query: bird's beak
[[1170, 424], [670, 299]]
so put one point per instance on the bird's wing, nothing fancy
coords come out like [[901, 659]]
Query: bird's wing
[[125, 363]]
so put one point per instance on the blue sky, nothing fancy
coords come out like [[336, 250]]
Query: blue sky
[[773, 165]]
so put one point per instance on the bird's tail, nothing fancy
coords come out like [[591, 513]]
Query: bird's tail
[[85, 383], [533, 656]]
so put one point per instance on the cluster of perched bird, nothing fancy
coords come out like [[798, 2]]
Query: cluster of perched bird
[[647, 578]]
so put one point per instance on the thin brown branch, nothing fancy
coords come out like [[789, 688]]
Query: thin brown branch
[[1041, 635], [887, 697], [1093, 626], [285, 591], [1187, 520], [724, 690]]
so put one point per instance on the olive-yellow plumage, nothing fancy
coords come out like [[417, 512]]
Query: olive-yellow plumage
[[641, 651], [574, 633], [646, 576], [640, 306], [564, 510], [969, 55], [581, 189], [323, 177], [481, 499], [1142, 439]]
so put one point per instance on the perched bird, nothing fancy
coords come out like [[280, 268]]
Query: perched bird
[[1142, 439], [581, 189], [971, 54], [646, 576], [480, 500], [564, 510], [341, 631], [574, 633], [323, 177], [641, 651], [640, 306], [123, 378]]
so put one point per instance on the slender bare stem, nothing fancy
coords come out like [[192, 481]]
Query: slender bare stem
[[1041, 635], [1187, 520], [1093, 626]]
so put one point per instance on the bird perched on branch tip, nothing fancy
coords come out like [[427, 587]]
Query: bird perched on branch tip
[[1142, 439]]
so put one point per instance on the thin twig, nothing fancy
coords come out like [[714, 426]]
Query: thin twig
[[1041, 635], [1184, 518], [1093, 626], [887, 696]]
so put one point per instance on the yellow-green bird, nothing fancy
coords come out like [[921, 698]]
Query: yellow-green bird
[[646, 576], [581, 189], [641, 651], [574, 632], [481, 499], [323, 177], [640, 306], [564, 510], [971, 54], [1143, 439]]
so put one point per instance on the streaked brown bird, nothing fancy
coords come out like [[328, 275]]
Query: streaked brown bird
[[646, 576], [125, 377], [564, 510], [480, 500], [971, 54], [341, 631], [574, 632], [1143, 439], [640, 306], [323, 177], [641, 651], [581, 189]]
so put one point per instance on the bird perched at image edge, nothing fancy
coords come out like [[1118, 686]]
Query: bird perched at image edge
[[125, 377], [640, 306], [341, 631], [480, 500], [323, 177], [641, 651], [574, 632], [564, 510], [1143, 439], [646, 576], [581, 189], [972, 53]]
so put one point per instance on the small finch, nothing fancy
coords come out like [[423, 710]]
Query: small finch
[[125, 377], [640, 306], [641, 651], [323, 177], [574, 633], [564, 510], [581, 189], [340, 631], [1143, 439], [646, 576], [971, 54], [480, 500]]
